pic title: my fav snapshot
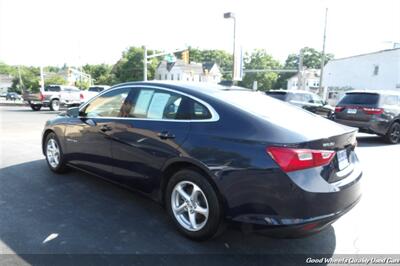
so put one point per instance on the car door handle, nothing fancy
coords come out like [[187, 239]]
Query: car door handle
[[105, 128], [166, 135]]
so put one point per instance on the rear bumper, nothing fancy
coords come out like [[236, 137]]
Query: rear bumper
[[294, 204], [373, 126], [293, 228]]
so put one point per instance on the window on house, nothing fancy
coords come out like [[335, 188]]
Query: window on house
[[172, 76], [179, 77], [376, 70], [166, 76], [160, 77]]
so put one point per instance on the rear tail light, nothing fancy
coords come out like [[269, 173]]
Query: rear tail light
[[338, 109], [81, 96], [41, 97], [297, 159], [373, 111]]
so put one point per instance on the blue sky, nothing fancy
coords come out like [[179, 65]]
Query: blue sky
[[45, 32]]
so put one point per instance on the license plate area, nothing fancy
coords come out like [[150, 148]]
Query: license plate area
[[351, 111], [342, 159]]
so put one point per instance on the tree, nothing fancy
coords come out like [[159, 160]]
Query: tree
[[101, 74], [311, 59], [259, 59], [221, 57], [130, 66], [54, 79], [30, 77]]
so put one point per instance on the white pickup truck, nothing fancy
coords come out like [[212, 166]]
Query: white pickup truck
[[53, 96], [92, 91]]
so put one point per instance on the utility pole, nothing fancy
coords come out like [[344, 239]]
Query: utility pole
[[321, 89], [144, 63], [300, 71], [20, 78], [41, 78]]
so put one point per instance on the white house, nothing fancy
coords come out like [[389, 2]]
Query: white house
[[310, 78], [180, 70], [378, 70]]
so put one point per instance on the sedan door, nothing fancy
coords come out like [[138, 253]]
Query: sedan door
[[88, 142], [150, 131]]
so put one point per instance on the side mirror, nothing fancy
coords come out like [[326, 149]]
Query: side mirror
[[73, 112]]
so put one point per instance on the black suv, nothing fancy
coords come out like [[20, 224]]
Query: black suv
[[376, 112], [307, 100]]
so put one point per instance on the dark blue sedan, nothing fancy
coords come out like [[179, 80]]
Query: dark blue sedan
[[212, 154]]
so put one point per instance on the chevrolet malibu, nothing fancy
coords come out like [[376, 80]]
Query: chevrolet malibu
[[212, 154]]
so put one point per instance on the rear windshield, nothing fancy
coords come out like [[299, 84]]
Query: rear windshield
[[360, 98], [52, 88], [96, 89], [277, 95]]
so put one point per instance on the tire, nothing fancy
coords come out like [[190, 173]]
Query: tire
[[393, 134], [205, 198], [36, 107], [53, 150], [55, 105]]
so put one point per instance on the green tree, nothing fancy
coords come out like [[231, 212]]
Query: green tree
[[221, 57], [54, 79], [30, 77], [82, 84], [130, 66], [259, 59], [311, 59], [101, 74]]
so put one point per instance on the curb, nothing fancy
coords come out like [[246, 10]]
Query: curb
[[13, 104]]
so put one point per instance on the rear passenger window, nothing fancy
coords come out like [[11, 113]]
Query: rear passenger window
[[156, 104], [200, 112]]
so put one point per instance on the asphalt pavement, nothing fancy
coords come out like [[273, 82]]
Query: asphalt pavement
[[75, 213]]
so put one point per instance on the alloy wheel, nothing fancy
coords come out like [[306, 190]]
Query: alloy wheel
[[395, 133], [53, 153], [189, 205]]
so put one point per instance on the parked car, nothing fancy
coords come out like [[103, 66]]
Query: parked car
[[13, 96], [53, 96], [92, 91], [212, 154], [306, 100], [376, 112], [3, 94]]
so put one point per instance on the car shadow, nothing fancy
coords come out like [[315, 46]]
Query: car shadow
[[75, 213], [367, 140]]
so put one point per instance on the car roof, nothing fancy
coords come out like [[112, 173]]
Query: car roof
[[188, 87], [383, 92], [291, 91]]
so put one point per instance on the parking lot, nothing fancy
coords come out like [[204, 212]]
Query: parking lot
[[75, 213]]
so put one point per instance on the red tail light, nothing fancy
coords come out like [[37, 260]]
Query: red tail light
[[296, 159], [373, 111], [338, 109], [81, 96], [41, 97]]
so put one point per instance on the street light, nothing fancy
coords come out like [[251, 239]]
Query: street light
[[232, 15]]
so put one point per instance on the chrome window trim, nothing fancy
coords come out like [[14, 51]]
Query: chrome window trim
[[214, 114]]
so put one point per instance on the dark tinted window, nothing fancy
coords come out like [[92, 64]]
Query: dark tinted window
[[96, 89], [52, 88], [277, 95], [200, 112], [360, 98]]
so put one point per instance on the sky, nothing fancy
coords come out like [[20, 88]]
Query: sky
[[75, 32]]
